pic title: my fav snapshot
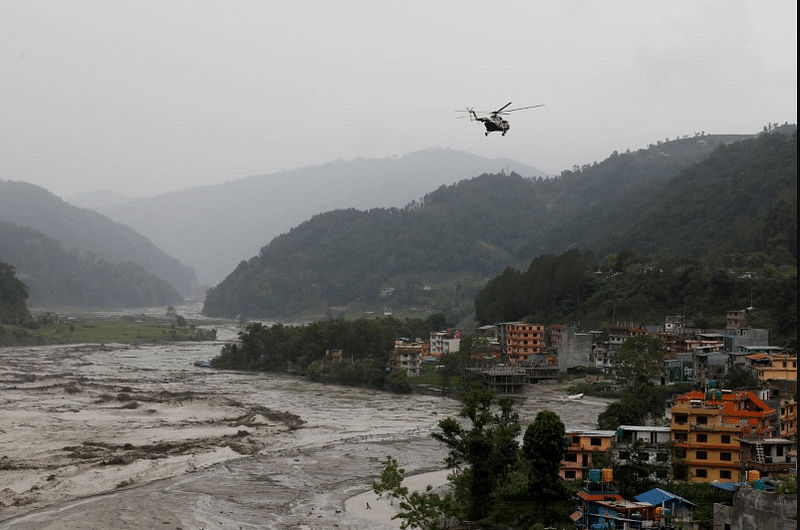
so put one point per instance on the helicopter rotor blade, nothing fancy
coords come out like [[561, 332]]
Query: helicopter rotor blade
[[521, 108], [498, 111]]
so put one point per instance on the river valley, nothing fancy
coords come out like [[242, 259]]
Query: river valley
[[137, 436]]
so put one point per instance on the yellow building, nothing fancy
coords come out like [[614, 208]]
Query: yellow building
[[707, 426], [777, 367]]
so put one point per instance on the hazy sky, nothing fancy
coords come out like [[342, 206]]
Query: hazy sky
[[143, 97]]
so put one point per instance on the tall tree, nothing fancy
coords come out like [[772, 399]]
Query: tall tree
[[638, 360], [483, 453]]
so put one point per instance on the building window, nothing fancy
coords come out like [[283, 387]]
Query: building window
[[680, 453], [576, 440], [725, 457], [702, 438], [701, 473], [643, 456], [726, 438], [569, 474], [702, 420], [681, 437], [681, 418], [725, 474], [624, 455], [702, 455], [596, 441], [571, 457], [661, 457]]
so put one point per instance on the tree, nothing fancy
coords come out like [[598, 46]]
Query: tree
[[642, 404], [543, 445], [638, 360], [425, 510], [544, 448], [484, 454], [740, 377], [13, 294]]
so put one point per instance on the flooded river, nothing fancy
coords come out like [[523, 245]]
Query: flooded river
[[124, 436]]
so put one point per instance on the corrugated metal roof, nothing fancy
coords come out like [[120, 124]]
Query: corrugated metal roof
[[657, 496]]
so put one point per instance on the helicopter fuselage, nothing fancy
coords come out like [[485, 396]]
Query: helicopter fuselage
[[495, 124]]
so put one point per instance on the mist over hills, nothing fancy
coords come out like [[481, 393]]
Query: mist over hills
[[436, 253], [89, 234], [213, 228], [55, 277]]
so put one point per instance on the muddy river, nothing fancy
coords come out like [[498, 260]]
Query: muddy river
[[122, 436]]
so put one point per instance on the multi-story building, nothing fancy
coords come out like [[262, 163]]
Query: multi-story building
[[583, 444], [707, 427], [618, 333], [406, 356], [443, 342], [788, 419], [776, 366], [644, 445], [520, 340]]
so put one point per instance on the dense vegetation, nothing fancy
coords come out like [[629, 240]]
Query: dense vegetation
[[13, 297], [57, 277], [365, 344], [708, 198], [629, 287], [495, 481]]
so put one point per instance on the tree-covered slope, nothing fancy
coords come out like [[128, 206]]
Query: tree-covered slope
[[468, 232], [13, 297], [86, 231], [742, 198], [57, 277], [212, 228]]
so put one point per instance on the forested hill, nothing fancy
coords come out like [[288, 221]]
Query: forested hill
[[213, 228], [54, 276], [434, 253], [89, 233]]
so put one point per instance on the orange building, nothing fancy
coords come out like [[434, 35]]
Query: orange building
[[521, 340], [706, 428], [582, 445]]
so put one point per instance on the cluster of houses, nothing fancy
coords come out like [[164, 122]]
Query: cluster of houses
[[741, 439]]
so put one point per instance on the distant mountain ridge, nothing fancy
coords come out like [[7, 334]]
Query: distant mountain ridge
[[89, 233], [430, 254], [55, 277], [213, 228]]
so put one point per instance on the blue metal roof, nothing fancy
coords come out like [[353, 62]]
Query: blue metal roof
[[657, 496], [728, 486]]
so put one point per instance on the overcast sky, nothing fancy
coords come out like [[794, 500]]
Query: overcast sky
[[144, 97]]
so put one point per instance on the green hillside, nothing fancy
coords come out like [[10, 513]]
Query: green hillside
[[57, 277], [89, 233], [436, 254]]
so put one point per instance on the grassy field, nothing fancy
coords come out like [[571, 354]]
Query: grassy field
[[92, 331]]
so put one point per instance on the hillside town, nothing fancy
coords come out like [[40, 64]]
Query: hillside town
[[741, 441]]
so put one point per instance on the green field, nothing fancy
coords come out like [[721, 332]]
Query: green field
[[92, 331]]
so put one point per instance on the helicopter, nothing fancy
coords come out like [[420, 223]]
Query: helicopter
[[494, 121]]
